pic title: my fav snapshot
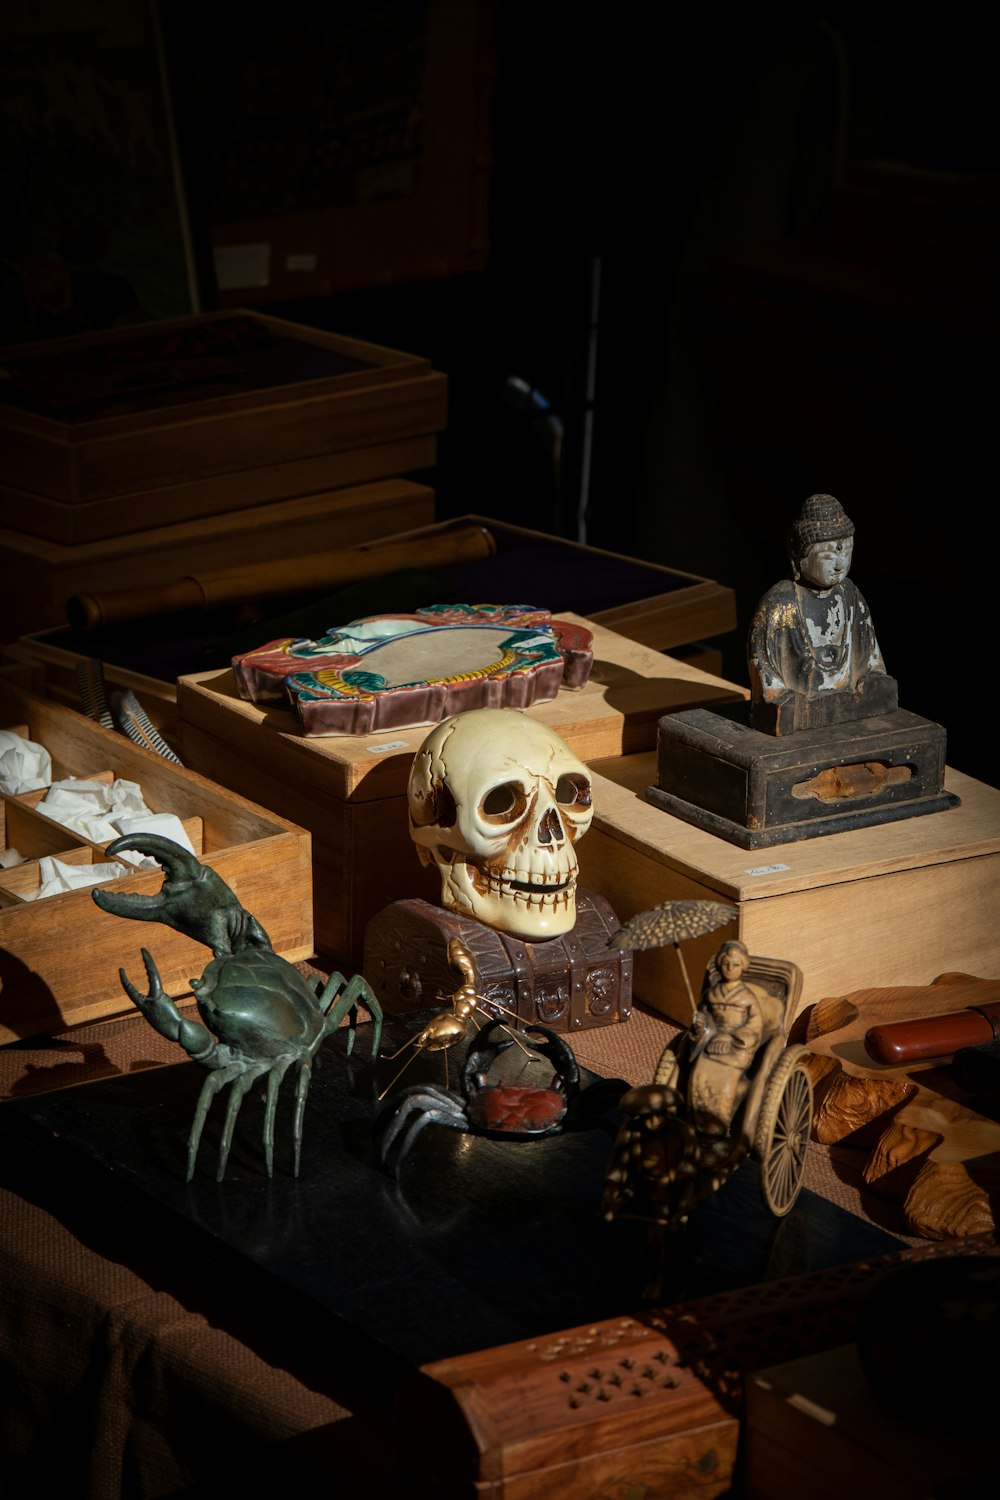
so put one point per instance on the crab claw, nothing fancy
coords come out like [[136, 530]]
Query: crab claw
[[193, 899], [163, 1015]]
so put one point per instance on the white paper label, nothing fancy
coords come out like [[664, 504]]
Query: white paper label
[[767, 869], [239, 266]]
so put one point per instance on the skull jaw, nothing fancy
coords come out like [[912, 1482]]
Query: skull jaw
[[533, 919]]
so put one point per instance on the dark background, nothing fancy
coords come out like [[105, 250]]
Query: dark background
[[741, 257]]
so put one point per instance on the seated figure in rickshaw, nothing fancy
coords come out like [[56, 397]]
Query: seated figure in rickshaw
[[728, 1087], [726, 1031]]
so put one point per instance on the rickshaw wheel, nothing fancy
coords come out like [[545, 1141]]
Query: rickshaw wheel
[[783, 1129]]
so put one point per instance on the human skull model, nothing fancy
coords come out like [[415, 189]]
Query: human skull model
[[497, 802]]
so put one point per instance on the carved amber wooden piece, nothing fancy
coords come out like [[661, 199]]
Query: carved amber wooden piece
[[925, 1145]]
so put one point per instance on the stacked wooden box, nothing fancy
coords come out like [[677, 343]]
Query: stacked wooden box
[[894, 904], [135, 456]]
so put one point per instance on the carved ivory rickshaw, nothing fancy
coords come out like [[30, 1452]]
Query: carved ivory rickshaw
[[671, 1153]]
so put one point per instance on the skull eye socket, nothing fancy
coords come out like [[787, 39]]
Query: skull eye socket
[[504, 803], [573, 791]]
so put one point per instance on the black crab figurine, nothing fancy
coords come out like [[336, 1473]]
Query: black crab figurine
[[501, 1109]]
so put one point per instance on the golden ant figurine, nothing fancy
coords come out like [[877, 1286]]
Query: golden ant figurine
[[446, 1030]]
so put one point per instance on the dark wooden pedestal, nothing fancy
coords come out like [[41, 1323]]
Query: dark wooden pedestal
[[756, 789]]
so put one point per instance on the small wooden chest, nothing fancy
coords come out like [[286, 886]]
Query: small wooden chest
[[567, 983], [609, 1409]]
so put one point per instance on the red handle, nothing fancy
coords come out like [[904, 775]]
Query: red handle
[[897, 1042]]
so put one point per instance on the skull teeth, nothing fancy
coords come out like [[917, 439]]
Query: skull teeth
[[539, 890]]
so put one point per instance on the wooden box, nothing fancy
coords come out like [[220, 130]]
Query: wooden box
[[654, 605], [814, 1427], [350, 791], [647, 1406], [894, 904], [382, 179], [657, 606], [608, 1409], [60, 956], [121, 431], [41, 576]]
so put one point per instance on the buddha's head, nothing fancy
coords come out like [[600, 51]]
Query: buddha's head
[[821, 542]]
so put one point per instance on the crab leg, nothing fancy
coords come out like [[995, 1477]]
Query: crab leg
[[213, 1083], [274, 1078], [336, 1006], [237, 1091], [193, 899], [443, 1109], [301, 1090]]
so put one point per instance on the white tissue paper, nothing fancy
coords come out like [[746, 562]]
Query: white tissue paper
[[24, 765], [9, 858], [167, 825], [91, 807], [56, 877]]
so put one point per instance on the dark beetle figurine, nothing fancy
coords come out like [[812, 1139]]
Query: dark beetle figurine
[[260, 1015]]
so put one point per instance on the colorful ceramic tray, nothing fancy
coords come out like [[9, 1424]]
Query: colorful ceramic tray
[[390, 671]]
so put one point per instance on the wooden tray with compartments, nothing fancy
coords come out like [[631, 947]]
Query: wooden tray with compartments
[[60, 956]]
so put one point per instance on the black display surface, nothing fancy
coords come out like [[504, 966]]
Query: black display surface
[[480, 1242]]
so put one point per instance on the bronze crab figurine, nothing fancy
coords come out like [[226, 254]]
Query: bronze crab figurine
[[259, 1015]]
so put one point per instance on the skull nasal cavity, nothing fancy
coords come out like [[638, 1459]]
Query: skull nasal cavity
[[550, 828]]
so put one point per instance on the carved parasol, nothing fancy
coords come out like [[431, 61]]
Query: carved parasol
[[673, 922]]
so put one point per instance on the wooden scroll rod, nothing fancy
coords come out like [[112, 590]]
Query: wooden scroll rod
[[280, 577]]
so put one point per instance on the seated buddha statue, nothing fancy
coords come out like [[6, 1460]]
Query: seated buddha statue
[[813, 656]]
